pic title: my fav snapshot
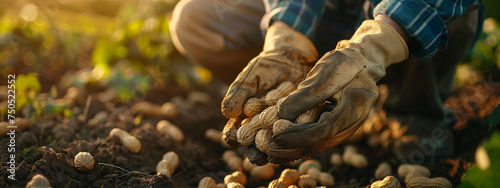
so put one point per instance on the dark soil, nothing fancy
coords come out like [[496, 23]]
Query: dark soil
[[50, 144]]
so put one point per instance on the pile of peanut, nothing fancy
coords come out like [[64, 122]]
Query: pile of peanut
[[263, 121]]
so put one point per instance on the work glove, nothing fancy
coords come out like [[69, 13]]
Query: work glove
[[287, 56], [344, 80]]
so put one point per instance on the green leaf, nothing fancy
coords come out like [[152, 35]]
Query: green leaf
[[494, 119], [475, 177]]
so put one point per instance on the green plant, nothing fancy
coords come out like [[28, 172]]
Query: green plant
[[485, 172]]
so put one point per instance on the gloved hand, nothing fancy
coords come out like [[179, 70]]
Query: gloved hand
[[346, 79], [287, 56]]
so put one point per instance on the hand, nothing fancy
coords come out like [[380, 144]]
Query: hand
[[287, 56], [345, 81]]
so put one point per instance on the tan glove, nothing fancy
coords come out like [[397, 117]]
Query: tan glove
[[287, 56], [346, 78]]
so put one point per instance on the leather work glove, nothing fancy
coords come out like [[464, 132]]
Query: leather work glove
[[346, 79], [287, 56]]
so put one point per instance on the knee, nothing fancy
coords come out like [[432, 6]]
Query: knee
[[189, 26]]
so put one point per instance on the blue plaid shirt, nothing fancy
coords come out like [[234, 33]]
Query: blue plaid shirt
[[424, 20]]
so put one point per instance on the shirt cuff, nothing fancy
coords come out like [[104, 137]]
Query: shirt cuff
[[303, 16]]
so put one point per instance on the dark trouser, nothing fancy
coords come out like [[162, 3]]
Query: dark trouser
[[224, 35]]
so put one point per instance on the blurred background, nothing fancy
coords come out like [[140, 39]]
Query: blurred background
[[125, 46]]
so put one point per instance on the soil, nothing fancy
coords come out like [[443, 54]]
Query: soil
[[49, 145]]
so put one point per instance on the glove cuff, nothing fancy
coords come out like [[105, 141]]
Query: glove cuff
[[282, 38], [378, 42]]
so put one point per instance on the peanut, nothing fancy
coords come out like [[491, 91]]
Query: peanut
[[326, 179], [306, 181], [148, 109], [268, 117], [129, 141], [84, 161], [162, 168], [169, 110], [247, 165], [214, 135], [264, 172], [282, 90], [311, 163], [406, 169], [276, 184], [253, 106], [314, 173], [166, 127], [38, 181], [310, 115], [19, 124], [98, 118], [172, 160], [387, 182], [289, 177], [353, 158], [280, 125], [293, 186], [237, 176], [336, 159], [411, 176], [207, 182], [232, 160], [246, 133], [234, 185], [383, 170], [263, 139], [220, 185], [422, 182], [198, 97]]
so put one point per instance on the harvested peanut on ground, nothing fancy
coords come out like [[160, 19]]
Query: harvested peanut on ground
[[237, 176], [129, 141], [306, 181], [264, 172], [169, 110], [19, 124], [406, 169], [352, 157], [220, 185], [326, 179], [172, 161], [38, 181], [383, 170], [247, 165], [147, 109], [166, 127], [387, 182], [424, 182], [336, 159], [289, 176], [276, 184], [311, 163], [234, 185], [207, 182], [213, 135], [98, 118], [84, 161], [199, 97], [232, 160], [162, 168], [314, 173]]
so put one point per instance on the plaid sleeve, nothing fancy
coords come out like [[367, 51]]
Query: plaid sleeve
[[302, 15], [425, 21]]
